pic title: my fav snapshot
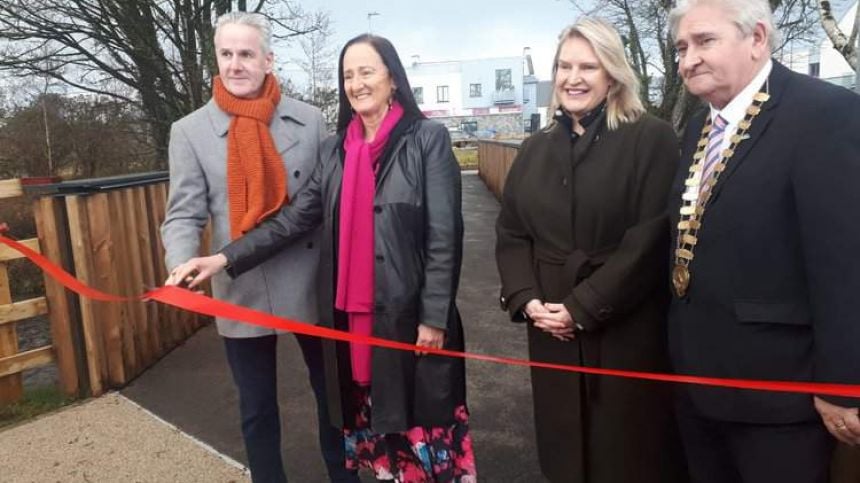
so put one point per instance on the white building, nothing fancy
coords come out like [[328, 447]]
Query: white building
[[487, 97], [823, 60]]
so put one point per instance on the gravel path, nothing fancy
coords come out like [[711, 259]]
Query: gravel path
[[108, 439]]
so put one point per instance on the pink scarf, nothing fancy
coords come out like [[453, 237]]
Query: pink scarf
[[355, 276]]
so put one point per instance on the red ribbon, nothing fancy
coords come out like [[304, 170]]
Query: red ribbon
[[202, 304]]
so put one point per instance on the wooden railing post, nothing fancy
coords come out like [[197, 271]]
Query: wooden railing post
[[66, 331], [11, 388], [79, 234]]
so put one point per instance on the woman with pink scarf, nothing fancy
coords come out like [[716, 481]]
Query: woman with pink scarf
[[387, 194]]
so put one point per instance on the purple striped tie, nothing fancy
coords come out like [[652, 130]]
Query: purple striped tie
[[714, 150]]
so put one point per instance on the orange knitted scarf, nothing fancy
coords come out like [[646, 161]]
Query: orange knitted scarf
[[256, 177]]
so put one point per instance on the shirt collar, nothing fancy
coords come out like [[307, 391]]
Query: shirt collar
[[735, 110]]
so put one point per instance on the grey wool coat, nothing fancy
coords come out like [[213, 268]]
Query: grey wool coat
[[585, 224], [285, 285]]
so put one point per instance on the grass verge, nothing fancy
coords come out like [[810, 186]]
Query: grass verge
[[35, 402], [467, 157]]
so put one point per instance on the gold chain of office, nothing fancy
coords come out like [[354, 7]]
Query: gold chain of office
[[695, 197]]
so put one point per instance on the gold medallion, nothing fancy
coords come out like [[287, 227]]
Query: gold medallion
[[680, 280], [689, 239], [761, 97], [698, 192]]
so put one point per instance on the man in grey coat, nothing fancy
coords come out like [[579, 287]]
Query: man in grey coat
[[232, 162]]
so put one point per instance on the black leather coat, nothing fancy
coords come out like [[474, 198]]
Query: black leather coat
[[418, 232]]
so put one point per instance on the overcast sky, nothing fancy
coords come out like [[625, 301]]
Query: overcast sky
[[439, 30]]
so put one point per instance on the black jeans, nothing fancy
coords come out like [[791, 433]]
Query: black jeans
[[253, 364]]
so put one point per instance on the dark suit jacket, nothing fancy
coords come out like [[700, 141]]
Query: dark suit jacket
[[775, 291]]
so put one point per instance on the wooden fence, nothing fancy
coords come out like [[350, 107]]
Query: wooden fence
[[12, 362], [106, 232], [494, 162]]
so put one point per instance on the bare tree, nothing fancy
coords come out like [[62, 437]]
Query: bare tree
[[154, 54], [844, 44], [90, 136], [319, 63]]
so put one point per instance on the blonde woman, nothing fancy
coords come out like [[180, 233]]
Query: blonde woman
[[582, 239]]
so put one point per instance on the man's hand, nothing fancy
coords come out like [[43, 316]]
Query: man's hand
[[197, 270], [843, 423]]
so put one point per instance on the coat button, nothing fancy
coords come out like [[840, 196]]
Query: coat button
[[564, 181], [377, 209], [296, 173], [310, 245], [380, 258]]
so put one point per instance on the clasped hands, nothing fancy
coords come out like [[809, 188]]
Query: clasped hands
[[197, 270], [554, 319]]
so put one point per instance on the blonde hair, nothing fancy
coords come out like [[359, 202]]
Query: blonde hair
[[622, 102]]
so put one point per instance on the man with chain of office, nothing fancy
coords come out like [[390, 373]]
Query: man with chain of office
[[765, 267]]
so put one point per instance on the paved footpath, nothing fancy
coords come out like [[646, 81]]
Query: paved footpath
[[109, 439]]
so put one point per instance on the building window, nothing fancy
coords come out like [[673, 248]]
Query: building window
[[474, 90], [442, 94], [418, 92], [504, 81], [815, 69]]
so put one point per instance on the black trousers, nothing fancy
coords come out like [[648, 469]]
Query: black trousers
[[253, 364], [730, 452]]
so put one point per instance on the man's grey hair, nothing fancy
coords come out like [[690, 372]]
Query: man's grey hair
[[256, 20], [745, 14]]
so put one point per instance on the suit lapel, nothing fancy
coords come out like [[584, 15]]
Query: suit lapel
[[691, 139], [282, 132], [776, 86], [220, 120], [389, 154]]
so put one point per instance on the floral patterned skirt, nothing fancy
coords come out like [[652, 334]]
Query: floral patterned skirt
[[418, 455]]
